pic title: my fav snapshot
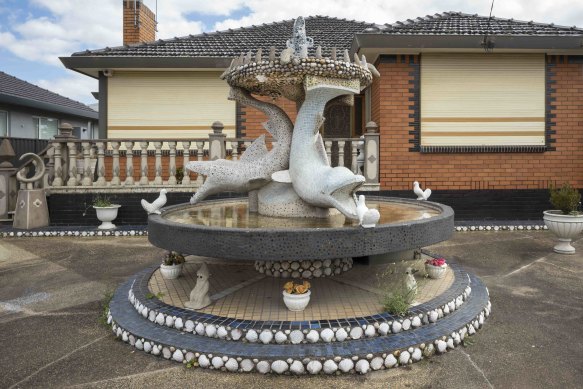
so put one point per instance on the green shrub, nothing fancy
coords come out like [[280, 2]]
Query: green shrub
[[566, 198], [101, 201], [396, 304]]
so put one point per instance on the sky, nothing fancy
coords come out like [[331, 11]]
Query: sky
[[35, 33]]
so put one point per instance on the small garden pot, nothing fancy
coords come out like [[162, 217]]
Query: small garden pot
[[565, 227], [435, 272], [106, 215], [171, 272], [296, 302]]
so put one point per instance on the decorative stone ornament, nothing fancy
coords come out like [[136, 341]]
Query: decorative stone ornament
[[154, 207], [435, 272], [565, 227], [106, 215], [199, 296], [31, 204], [296, 302], [421, 194]]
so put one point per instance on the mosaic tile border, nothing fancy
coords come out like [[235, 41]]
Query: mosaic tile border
[[85, 232], [302, 332], [356, 356]]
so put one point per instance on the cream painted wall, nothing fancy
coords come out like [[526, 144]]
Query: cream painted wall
[[167, 104]]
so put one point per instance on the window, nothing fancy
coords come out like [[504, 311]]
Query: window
[[46, 128], [3, 123], [483, 99]]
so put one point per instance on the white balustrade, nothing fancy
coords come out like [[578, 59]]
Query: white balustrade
[[105, 157]]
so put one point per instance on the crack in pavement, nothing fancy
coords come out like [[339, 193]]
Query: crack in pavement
[[478, 369], [58, 360], [129, 376]]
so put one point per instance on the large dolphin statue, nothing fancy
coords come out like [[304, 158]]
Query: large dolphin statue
[[257, 164]]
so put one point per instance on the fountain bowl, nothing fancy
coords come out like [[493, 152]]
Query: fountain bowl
[[275, 243]]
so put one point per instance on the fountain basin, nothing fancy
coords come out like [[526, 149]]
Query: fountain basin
[[277, 239]]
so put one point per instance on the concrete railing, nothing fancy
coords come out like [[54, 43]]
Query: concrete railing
[[148, 164]]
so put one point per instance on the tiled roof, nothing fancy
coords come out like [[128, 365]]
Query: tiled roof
[[327, 32], [457, 23], [14, 87]]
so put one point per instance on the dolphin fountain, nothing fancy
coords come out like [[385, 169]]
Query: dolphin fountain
[[312, 82]]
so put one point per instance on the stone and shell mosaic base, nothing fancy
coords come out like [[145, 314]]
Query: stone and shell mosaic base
[[305, 346], [304, 269]]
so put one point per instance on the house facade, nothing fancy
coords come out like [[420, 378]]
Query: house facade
[[466, 105], [28, 111]]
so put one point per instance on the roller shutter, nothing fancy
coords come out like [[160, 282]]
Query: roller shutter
[[482, 99], [168, 104]]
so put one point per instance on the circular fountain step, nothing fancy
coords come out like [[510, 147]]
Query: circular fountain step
[[377, 350]]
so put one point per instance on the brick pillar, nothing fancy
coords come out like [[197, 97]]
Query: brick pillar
[[139, 23]]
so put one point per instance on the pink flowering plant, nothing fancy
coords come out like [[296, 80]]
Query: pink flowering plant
[[436, 262]]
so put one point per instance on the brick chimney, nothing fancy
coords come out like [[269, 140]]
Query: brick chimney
[[139, 23]]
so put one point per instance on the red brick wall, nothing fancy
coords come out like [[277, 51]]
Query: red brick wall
[[251, 126], [145, 31], [400, 167]]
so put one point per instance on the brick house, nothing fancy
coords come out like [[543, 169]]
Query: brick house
[[483, 111]]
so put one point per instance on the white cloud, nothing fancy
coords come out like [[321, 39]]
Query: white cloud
[[74, 86]]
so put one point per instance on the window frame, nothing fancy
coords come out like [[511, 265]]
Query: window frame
[[36, 121]]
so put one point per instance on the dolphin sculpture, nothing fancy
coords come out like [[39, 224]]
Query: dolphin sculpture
[[310, 174], [257, 164]]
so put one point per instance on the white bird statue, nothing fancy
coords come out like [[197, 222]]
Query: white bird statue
[[421, 194], [155, 206], [410, 284], [367, 217]]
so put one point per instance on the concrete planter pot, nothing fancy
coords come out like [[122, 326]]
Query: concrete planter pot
[[106, 215], [171, 272], [565, 227], [296, 302], [435, 272]]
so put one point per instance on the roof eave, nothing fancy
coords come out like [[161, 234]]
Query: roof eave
[[91, 65], [445, 42], [15, 100]]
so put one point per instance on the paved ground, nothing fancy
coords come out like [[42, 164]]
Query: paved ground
[[51, 290]]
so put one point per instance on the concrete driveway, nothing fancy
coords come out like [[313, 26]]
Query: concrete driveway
[[51, 291]]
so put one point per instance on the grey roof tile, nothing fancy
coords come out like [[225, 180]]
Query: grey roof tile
[[12, 86], [457, 23], [327, 32]]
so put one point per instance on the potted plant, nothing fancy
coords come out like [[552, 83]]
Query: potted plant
[[296, 296], [566, 221], [435, 268], [106, 212], [171, 267]]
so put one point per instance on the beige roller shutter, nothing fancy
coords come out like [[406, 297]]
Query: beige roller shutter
[[482, 99], [168, 104]]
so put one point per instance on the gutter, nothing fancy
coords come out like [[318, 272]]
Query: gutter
[[91, 65], [448, 42], [15, 100]]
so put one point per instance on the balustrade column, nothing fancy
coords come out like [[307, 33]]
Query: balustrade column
[[87, 173], [101, 164], [129, 163], [115, 166], [200, 156], [235, 150], [185, 160], [341, 144], [72, 181], [172, 165], [58, 180], [144, 163], [158, 177], [354, 147], [371, 153], [328, 146]]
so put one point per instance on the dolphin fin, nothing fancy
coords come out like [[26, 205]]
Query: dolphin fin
[[256, 151], [281, 176], [321, 149]]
